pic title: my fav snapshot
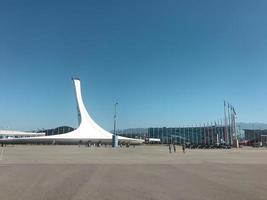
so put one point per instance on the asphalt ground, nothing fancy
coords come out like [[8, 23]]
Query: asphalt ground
[[36, 172]]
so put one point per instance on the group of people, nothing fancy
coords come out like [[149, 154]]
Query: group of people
[[174, 148], [99, 144]]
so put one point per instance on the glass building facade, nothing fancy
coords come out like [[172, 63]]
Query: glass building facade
[[257, 135], [180, 135], [140, 133], [57, 131]]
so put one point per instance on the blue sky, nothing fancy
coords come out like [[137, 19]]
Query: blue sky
[[167, 63]]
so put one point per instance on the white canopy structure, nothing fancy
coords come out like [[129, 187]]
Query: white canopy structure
[[88, 131], [12, 133]]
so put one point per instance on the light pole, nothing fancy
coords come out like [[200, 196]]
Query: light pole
[[114, 136]]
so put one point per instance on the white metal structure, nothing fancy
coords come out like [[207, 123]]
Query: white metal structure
[[12, 133], [88, 131], [151, 140]]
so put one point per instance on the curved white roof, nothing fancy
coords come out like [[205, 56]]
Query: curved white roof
[[19, 133]]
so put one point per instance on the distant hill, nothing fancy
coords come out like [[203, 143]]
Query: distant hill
[[251, 125]]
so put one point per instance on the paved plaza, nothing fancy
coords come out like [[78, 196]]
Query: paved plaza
[[29, 172]]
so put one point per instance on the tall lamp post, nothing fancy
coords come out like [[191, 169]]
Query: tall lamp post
[[114, 136]]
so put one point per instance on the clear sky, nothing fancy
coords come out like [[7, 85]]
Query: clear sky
[[167, 63]]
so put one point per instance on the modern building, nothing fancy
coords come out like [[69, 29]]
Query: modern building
[[19, 134], [209, 135], [255, 135], [134, 133], [57, 131]]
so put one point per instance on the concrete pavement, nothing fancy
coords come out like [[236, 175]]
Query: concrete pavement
[[145, 172]]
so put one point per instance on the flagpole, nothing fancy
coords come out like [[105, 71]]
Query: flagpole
[[225, 125], [212, 133], [221, 129], [230, 127], [208, 137], [204, 133]]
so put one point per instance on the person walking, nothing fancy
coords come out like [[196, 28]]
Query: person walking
[[183, 146], [170, 148], [174, 148]]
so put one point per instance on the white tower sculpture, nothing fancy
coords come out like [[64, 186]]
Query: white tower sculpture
[[87, 131]]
